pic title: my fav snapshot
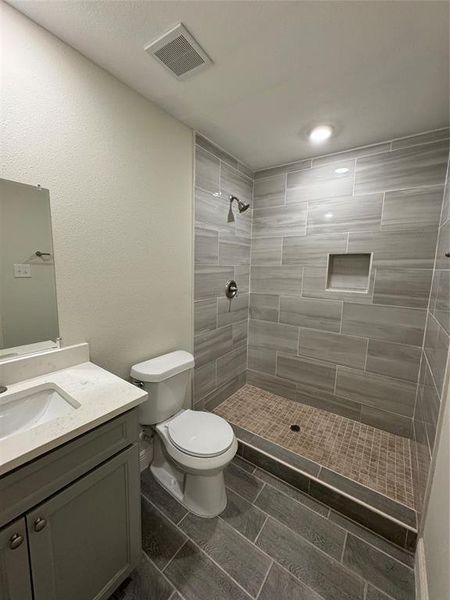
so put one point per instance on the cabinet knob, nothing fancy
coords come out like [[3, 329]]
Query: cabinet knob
[[15, 541], [39, 524]]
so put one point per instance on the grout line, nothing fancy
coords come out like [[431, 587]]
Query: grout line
[[183, 544], [201, 551], [258, 494], [262, 527], [265, 579], [175, 589], [182, 519], [341, 560]]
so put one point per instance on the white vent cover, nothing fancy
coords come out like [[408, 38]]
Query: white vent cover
[[179, 52]]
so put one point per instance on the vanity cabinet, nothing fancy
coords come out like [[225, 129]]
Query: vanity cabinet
[[15, 580], [81, 542]]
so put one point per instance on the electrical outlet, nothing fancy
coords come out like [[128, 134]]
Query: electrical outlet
[[23, 270]]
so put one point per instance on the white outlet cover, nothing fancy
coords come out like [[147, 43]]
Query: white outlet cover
[[22, 270]]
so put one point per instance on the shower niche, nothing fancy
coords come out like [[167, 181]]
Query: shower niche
[[349, 272]]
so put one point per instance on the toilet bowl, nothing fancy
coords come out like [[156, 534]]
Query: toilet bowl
[[191, 448]]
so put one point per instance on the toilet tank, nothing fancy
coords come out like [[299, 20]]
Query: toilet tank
[[166, 379]]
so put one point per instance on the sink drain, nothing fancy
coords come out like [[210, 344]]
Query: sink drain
[[295, 427]]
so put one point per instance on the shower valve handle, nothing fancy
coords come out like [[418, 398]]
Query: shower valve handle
[[231, 289]]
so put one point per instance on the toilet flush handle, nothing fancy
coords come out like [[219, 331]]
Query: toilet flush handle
[[137, 383]]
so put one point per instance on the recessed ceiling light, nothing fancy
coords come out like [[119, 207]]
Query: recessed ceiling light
[[321, 133], [328, 215], [341, 170]]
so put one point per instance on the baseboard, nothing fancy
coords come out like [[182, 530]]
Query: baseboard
[[420, 572]]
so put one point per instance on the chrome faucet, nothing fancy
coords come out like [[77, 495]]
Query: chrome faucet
[[3, 388]]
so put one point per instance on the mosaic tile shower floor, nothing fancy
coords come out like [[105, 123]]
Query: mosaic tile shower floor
[[372, 457]]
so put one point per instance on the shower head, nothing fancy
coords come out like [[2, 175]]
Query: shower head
[[242, 207]]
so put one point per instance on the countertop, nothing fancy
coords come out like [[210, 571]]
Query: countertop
[[101, 394]]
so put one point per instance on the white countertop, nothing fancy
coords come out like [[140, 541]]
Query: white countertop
[[101, 394]]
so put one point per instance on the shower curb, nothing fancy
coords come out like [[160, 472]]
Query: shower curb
[[377, 521]]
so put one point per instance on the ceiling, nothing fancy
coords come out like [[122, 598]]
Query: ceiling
[[374, 69]]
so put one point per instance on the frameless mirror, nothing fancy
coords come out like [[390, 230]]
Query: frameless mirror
[[28, 309]]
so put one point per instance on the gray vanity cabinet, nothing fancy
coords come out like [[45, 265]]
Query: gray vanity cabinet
[[79, 523], [82, 537], [15, 582]]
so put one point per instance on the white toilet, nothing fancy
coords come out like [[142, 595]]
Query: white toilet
[[191, 448]]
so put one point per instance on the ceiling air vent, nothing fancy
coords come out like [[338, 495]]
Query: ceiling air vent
[[179, 52]]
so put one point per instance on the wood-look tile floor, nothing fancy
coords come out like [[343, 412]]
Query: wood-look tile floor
[[374, 458], [272, 542]]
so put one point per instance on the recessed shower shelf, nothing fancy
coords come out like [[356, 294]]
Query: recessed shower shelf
[[349, 272]]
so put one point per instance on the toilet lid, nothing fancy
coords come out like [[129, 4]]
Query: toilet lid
[[200, 433]]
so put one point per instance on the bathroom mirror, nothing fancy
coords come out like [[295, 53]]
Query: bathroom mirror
[[28, 309]]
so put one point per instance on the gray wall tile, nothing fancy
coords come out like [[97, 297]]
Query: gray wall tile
[[269, 192], [312, 250], [213, 149], [440, 299], [323, 181], [234, 250], [400, 169], [387, 421], [317, 314], [212, 344], [273, 335], [205, 315], [210, 281], [273, 384], [264, 307], [206, 246], [315, 285], [262, 359], [412, 209], [311, 376], [266, 251], [286, 279], [333, 347], [207, 171], [436, 347], [389, 323], [402, 287], [231, 365], [385, 393], [413, 248], [204, 380], [393, 360], [234, 183], [294, 166], [211, 211], [232, 311], [422, 138], [349, 154], [347, 213], [280, 220]]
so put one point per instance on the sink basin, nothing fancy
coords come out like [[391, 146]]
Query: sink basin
[[20, 411]]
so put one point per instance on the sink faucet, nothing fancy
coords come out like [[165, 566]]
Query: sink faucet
[[3, 388]]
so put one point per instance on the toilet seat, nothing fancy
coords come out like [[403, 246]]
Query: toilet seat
[[200, 434]]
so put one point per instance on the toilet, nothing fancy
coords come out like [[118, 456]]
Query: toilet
[[191, 448]]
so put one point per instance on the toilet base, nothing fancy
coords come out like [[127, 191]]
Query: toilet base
[[202, 492]]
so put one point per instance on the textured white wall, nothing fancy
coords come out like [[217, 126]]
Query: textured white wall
[[119, 171]]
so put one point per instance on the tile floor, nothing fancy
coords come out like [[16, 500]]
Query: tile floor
[[271, 543], [374, 458]]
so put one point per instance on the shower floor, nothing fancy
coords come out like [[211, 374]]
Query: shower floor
[[373, 458]]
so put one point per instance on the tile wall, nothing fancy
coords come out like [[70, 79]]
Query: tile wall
[[429, 405], [222, 252], [354, 353]]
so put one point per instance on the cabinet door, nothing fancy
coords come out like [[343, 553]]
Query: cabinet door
[[86, 539], [15, 582]]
